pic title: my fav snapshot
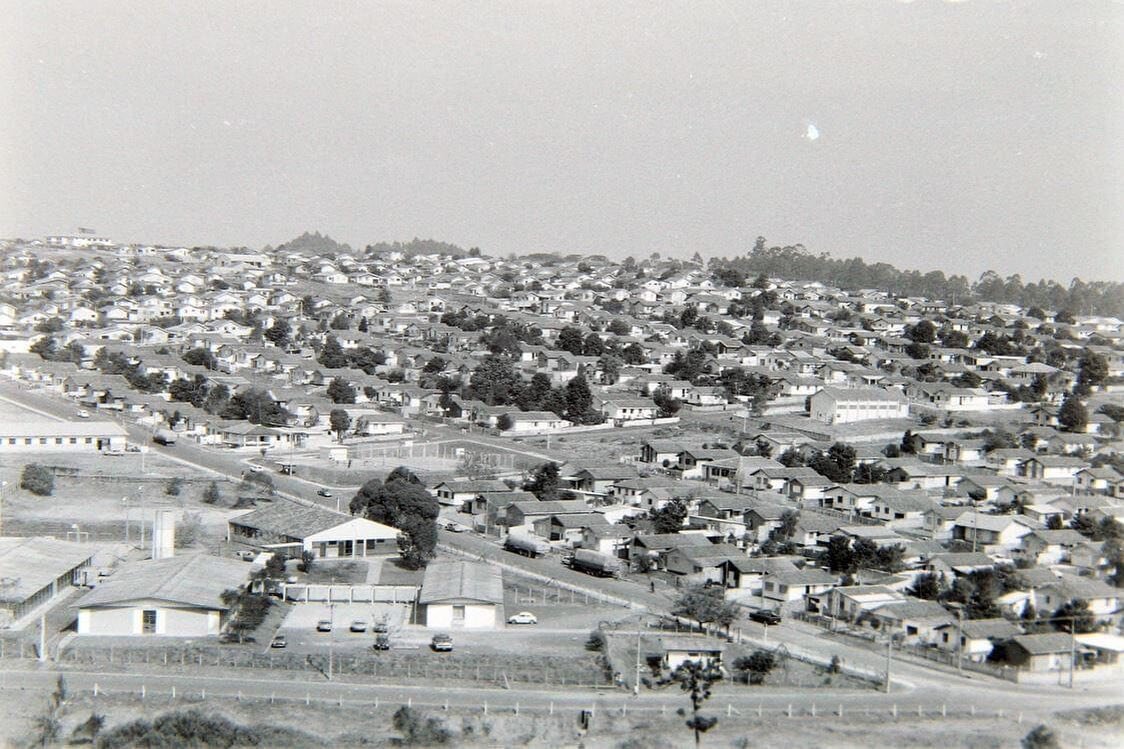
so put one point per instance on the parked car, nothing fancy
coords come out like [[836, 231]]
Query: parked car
[[324, 625], [323, 492], [245, 555], [380, 626], [441, 643], [83, 413], [359, 625], [766, 617], [523, 617], [382, 642], [278, 641], [454, 528]]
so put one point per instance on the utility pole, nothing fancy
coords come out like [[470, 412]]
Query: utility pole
[[889, 659], [1072, 647], [960, 639], [636, 684]]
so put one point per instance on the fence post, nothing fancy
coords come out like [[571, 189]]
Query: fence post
[[485, 707], [840, 709], [552, 708], [203, 694], [142, 691], [919, 711], [790, 709], [758, 709], [895, 711], [95, 689], [944, 711], [813, 709], [516, 708], [173, 691]]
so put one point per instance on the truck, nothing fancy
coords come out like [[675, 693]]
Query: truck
[[164, 437], [595, 563], [528, 546]]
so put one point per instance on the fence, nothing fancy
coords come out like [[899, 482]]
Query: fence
[[589, 715], [348, 593], [489, 670]]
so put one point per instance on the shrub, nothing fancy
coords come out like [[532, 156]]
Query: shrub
[[211, 495], [172, 488], [419, 730], [37, 479], [754, 667]]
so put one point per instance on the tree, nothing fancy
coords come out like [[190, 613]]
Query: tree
[[753, 668], [1040, 737], [339, 421], [212, 495], [37, 479], [402, 501], [1093, 372], [570, 339], [173, 487], [495, 381], [332, 354], [1074, 616], [696, 679], [279, 333], [610, 366], [341, 391], [579, 402], [670, 517], [1073, 416], [706, 606], [928, 586], [544, 482], [840, 557]]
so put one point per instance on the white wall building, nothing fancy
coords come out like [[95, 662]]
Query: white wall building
[[841, 406]]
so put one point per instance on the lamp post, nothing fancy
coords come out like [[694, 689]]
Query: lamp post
[[959, 636], [636, 683], [3, 492]]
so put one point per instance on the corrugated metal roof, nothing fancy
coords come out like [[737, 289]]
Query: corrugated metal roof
[[27, 565], [194, 580], [461, 581]]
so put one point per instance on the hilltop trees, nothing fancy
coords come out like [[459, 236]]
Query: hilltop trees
[[1073, 416]]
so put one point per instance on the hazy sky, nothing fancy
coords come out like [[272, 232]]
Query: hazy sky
[[959, 136]]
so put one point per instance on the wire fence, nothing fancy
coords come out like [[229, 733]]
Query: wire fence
[[589, 714], [486, 669]]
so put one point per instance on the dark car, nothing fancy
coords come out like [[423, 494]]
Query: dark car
[[766, 617], [382, 642], [324, 493]]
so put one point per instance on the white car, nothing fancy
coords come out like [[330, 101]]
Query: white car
[[83, 413], [523, 617]]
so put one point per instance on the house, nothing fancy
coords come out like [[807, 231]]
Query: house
[[675, 650], [992, 533], [1052, 651], [837, 406], [914, 619], [852, 601], [1047, 547], [524, 514], [35, 435], [656, 547], [457, 493], [179, 596], [1051, 468], [568, 529], [701, 562], [36, 569], [619, 411], [661, 452], [288, 527], [975, 638], [532, 422], [787, 585], [1103, 599], [462, 595]]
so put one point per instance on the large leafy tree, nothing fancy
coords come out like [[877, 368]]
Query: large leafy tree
[[339, 422], [332, 354], [1073, 416], [670, 517], [706, 606], [402, 501], [495, 381], [341, 391]]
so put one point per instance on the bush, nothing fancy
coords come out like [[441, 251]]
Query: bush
[[172, 488], [754, 667], [419, 730], [37, 479], [211, 495], [596, 641], [187, 530], [1040, 737]]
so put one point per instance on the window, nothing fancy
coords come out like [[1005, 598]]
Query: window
[[74, 440], [148, 621]]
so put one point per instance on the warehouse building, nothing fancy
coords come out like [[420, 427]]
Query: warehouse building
[[172, 597], [35, 570], [462, 595], [290, 528], [36, 435]]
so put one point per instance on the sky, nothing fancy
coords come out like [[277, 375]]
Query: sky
[[959, 136]]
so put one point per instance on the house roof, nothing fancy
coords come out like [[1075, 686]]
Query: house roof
[[27, 565], [1042, 644], [44, 428], [196, 580], [461, 581], [998, 629], [297, 520]]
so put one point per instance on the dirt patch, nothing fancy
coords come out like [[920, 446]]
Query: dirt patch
[[342, 572]]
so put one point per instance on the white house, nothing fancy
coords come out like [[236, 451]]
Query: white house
[[838, 406], [293, 528], [462, 595], [173, 597]]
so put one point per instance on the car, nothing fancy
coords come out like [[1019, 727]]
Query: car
[[323, 493], [291, 579], [523, 617], [359, 625], [380, 626], [278, 641], [245, 555], [765, 616], [83, 413], [324, 625], [382, 642], [441, 643], [454, 528]]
